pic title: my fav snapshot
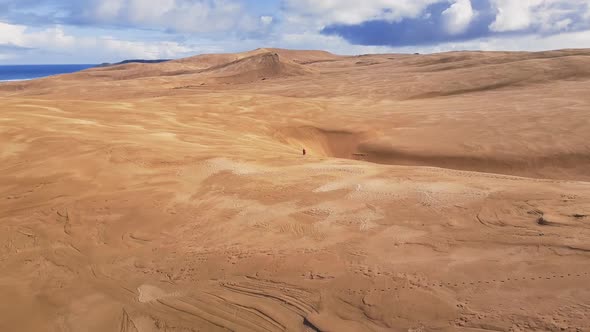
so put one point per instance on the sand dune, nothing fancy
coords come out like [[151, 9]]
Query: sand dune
[[256, 67], [443, 192]]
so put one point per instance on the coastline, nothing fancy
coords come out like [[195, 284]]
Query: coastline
[[19, 79], [16, 73]]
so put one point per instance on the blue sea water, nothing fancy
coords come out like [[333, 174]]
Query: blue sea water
[[27, 72]]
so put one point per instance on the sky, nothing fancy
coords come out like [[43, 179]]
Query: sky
[[97, 31]]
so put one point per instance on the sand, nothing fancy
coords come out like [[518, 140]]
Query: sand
[[444, 192]]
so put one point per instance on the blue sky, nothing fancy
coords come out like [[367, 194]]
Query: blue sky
[[95, 31]]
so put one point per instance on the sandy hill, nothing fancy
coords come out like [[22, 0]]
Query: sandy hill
[[255, 67], [439, 192], [299, 56], [255, 64]]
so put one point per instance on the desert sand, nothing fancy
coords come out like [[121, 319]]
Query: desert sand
[[444, 192]]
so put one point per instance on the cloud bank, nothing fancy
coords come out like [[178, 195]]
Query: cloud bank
[[45, 31]]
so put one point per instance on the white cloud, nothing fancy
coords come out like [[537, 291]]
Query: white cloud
[[266, 20], [544, 15], [338, 45], [125, 49], [55, 40], [458, 16], [11, 34], [198, 26], [18, 35], [563, 24], [106, 9], [513, 15], [192, 16], [355, 12], [579, 39], [334, 44]]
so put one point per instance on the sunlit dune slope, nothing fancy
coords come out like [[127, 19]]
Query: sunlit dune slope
[[497, 112], [440, 192]]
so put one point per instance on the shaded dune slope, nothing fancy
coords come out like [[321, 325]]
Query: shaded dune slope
[[563, 165], [369, 147], [337, 143]]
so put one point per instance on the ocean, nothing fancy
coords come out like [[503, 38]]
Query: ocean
[[27, 72]]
